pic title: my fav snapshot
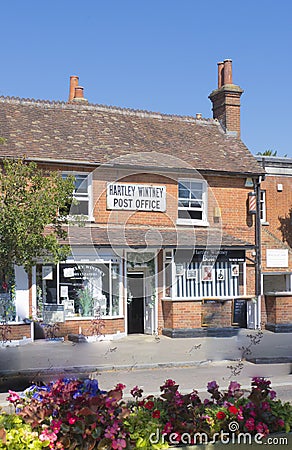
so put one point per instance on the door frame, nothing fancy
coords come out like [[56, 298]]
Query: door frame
[[143, 270]]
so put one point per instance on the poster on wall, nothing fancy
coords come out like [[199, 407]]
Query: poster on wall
[[179, 270], [235, 270], [207, 274], [220, 275], [191, 274]]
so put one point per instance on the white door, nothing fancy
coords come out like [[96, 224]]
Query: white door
[[251, 315], [148, 306]]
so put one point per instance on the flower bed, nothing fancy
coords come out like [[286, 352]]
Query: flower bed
[[76, 414]]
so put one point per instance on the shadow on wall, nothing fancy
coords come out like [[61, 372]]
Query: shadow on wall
[[286, 227]]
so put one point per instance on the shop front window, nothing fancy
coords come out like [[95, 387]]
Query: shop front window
[[84, 289], [194, 276]]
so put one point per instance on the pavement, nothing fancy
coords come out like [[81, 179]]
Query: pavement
[[127, 358]]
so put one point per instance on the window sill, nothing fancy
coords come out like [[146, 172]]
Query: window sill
[[89, 318], [80, 219], [197, 223], [265, 224]]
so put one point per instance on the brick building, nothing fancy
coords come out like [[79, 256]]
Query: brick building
[[276, 240], [168, 245]]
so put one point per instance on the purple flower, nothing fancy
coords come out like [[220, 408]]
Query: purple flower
[[265, 406], [119, 444], [262, 428], [233, 387], [212, 386], [249, 424], [272, 395], [136, 392]]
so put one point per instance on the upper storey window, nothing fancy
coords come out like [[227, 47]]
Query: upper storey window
[[192, 202], [82, 206]]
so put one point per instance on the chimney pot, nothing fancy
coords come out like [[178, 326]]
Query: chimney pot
[[73, 84], [220, 74], [227, 71], [79, 92]]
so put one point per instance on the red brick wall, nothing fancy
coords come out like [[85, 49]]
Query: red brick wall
[[278, 216], [279, 309], [180, 314], [112, 326], [104, 216], [18, 331]]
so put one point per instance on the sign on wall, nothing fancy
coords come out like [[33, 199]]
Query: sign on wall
[[277, 257], [136, 197]]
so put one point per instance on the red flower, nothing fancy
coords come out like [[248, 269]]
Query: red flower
[[220, 415], [72, 420], [233, 410], [120, 386], [156, 414], [149, 404]]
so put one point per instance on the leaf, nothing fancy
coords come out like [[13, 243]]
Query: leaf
[[3, 435], [85, 411]]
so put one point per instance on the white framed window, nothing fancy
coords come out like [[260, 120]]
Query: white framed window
[[263, 211], [83, 289], [82, 194], [192, 202]]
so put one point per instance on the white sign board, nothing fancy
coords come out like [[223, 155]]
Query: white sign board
[[136, 197], [277, 257]]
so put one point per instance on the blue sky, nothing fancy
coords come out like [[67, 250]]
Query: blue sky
[[158, 55]]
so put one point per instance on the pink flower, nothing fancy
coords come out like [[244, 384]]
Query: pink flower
[[233, 386], [167, 428], [250, 425], [46, 435], [280, 423], [120, 386], [265, 406], [56, 425], [169, 382], [272, 395], [262, 428], [72, 420], [13, 397], [119, 444]]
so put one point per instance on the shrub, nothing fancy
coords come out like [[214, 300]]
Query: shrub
[[76, 414]]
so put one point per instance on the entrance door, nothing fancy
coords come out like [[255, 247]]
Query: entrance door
[[135, 302]]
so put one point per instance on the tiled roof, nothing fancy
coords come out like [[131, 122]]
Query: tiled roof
[[98, 134], [152, 238]]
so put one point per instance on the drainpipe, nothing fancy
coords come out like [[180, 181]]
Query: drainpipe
[[258, 259]]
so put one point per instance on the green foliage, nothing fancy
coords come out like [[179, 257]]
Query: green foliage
[[269, 153], [30, 200], [284, 411], [17, 435], [85, 301]]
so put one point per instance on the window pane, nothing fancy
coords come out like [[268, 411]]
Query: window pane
[[81, 184], [81, 208]]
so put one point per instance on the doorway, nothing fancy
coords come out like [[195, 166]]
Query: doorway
[[135, 304]]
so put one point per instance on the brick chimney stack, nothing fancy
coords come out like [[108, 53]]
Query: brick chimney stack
[[76, 92], [226, 99]]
